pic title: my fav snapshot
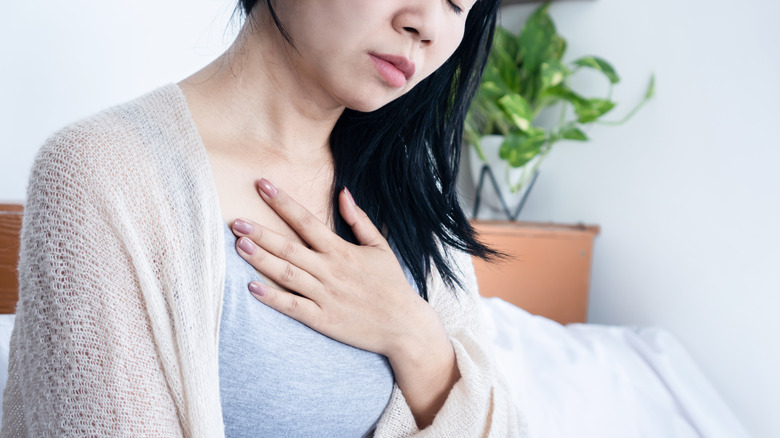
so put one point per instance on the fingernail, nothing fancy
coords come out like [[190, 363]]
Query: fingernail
[[349, 196], [242, 227], [267, 188], [246, 245], [257, 288]]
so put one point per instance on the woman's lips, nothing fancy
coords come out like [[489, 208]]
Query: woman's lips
[[395, 70]]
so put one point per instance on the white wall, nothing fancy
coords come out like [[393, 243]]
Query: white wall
[[61, 61], [686, 193]]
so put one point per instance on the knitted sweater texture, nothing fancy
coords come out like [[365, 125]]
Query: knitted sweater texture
[[121, 279]]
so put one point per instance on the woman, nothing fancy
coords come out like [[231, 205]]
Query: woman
[[134, 320]]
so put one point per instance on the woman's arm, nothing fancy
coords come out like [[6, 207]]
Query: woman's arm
[[82, 358], [425, 369], [479, 404]]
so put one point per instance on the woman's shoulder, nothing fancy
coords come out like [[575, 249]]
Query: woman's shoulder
[[120, 126], [153, 130]]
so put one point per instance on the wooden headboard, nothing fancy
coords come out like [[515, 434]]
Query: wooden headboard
[[10, 226]]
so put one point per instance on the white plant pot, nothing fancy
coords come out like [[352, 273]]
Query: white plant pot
[[505, 175]]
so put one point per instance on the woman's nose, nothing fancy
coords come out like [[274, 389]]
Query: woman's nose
[[421, 20]]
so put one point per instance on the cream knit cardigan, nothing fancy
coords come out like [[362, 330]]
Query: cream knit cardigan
[[121, 280]]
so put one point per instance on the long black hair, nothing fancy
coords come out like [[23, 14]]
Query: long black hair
[[401, 161]]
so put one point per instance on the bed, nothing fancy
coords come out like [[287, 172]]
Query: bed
[[571, 380]]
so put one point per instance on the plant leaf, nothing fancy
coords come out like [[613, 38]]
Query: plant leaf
[[538, 42], [503, 59], [517, 109], [553, 73], [519, 148], [492, 90], [563, 92], [507, 41], [592, 109], [559, 47], [600, 65], [571, 132]]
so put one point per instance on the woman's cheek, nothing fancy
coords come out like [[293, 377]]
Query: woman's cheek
[[453, 42], [441, 56]]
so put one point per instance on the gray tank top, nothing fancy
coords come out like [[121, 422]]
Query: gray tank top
[[279, 378]]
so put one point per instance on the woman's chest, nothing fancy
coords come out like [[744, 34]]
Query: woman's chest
[[236, 184], [278, 375]]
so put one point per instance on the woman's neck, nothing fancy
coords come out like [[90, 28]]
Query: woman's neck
[[251, 103]]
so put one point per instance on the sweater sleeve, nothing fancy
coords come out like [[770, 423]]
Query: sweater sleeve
[[480, 403], [82, 360]]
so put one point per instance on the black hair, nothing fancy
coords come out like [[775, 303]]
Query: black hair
[[401, 161]]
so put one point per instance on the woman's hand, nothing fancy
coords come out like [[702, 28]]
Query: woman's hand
[[355, 294]]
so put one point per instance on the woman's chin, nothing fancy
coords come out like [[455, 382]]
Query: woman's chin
[[372, 103], [367, 99]]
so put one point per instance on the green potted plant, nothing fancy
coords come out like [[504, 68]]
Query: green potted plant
[[525, 75]]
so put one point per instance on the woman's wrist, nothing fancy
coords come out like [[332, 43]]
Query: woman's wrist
[[425, 367]]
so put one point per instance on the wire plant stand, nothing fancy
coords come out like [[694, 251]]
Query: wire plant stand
[[512, 216]]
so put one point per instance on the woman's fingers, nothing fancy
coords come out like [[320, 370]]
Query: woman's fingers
[[311, 230], [364, 230], [277, 244], [282, 272], [299, 308]]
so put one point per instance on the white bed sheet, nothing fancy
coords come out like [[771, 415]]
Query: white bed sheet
[[585, 380]]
